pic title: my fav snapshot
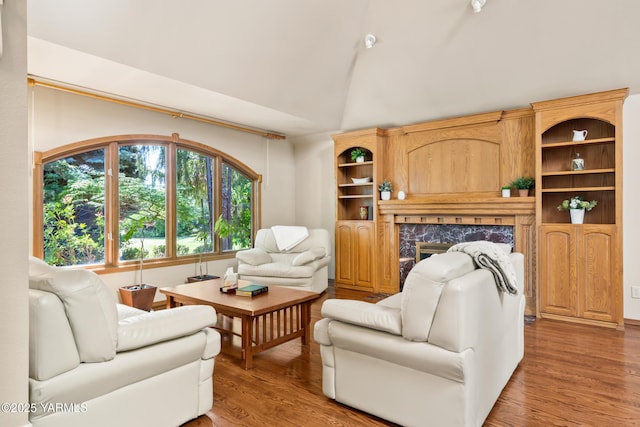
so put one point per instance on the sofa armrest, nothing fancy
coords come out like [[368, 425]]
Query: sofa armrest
[[361, 313], [157, 326], [308, 256], [255, 256]]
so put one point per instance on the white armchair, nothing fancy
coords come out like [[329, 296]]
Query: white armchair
[[303, 266], [98, 363], [438, 353]]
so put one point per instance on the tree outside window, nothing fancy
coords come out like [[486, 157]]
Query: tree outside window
[[73, 209], [149, 207]]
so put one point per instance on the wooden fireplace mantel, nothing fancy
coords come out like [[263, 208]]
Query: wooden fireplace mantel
[[458, 206]]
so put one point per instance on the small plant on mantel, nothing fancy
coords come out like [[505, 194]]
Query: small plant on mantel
[[523, 184], [385, 186], [385, 189]]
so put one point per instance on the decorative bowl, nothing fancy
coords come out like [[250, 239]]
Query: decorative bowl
[[361, 180]]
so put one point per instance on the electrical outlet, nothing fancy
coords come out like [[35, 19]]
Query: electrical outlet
[[635, 292]]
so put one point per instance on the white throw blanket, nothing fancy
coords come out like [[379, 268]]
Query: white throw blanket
[[288, 236], [489, 256]]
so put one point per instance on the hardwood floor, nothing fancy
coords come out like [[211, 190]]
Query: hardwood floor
[[571, 375]]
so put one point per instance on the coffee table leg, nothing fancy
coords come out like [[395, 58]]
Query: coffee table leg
[[247, 354], [306, 322], [171, 303]]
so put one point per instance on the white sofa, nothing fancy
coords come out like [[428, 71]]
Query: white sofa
[[437, 354], [304, 266], [93, 362]]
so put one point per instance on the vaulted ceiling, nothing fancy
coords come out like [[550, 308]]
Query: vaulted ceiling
[[300, 66]]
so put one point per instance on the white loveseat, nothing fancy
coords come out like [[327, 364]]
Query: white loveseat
[[93, 362], [437, 354], [303, 266]]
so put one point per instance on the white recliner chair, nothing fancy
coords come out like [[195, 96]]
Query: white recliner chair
[[302, 266], [93, 362], [437, 354]]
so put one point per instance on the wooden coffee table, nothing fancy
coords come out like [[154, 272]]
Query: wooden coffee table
[[269, 319]]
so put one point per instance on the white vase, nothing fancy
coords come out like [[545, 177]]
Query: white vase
[[360, 159], [385, 195], [577, 216]]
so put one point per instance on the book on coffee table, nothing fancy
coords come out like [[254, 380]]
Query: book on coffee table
[[252, 290]]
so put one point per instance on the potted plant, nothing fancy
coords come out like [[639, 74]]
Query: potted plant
[[357, 154], [385, 189], [140, 295], [576, 207], [523, 184], [223, 229], [506, 191]]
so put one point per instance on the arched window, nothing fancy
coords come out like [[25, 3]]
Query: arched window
[[109, 202]]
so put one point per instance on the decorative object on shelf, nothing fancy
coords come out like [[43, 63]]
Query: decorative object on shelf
[[361, 180], [576, 207], [385, 189], [506, 191], [580, 135], [357, 155], [401, 195], [577, 164], [364, 212], [523, 184]]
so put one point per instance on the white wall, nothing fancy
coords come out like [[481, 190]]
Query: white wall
[[631, 203], [14, 314], [315, 192], [59, 118]]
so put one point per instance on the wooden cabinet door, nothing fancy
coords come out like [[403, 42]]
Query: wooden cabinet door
[[354, 254], [345, 244], [363, 232], [596, 273], [557, 272]]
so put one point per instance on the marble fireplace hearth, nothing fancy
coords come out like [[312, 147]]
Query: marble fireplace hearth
[[412, 234]]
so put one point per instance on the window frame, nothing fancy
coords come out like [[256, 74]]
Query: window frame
[[171, 143]]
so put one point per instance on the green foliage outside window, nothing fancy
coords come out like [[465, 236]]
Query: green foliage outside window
[[74, 205]]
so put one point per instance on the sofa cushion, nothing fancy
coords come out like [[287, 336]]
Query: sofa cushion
[[164, 325], [52, 349], [255, 256], [308, 256], [422, 290], [277, 269], [89, 306]]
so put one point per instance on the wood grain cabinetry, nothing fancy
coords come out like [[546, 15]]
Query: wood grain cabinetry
[[356, 209], [580, 265], [354, 254]]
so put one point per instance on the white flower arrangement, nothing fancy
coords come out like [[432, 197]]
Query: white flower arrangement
[[577, 202]]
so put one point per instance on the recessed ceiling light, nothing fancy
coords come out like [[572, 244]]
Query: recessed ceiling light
[[369, 41]]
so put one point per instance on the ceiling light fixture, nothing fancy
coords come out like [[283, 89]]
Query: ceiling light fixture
[[369, 41], [477, 5]]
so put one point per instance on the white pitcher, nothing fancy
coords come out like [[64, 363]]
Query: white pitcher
[[580, 135]]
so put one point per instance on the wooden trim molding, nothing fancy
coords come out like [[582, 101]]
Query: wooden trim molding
[[173, 113]]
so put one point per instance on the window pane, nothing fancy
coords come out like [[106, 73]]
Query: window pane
[[194, 202], [236, 208], [142, 191], [74, 209]]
